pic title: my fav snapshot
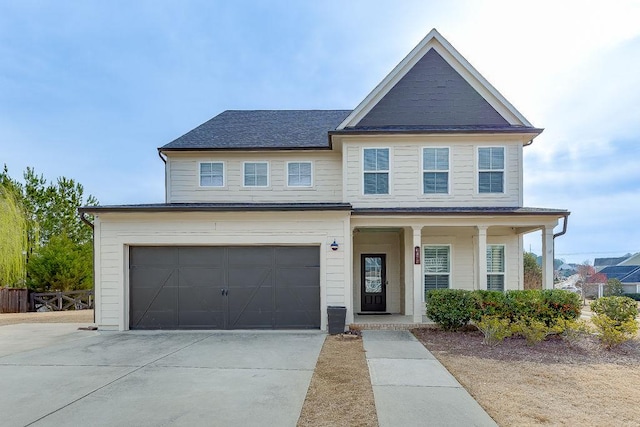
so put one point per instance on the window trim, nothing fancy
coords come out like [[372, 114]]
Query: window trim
[[298, 162], [424, 265], [502, 273], [244, 176], [224, 174], [448, 171], [388, 172], [503, 170]]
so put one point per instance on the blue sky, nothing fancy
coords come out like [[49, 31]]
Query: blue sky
[[89, 90]]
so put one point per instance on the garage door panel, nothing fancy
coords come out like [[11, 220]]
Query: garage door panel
[[158, 311], [291, 276], [248, 319], [297, 319], [155, 255], [264, 287], [249, 276], [307, 256], [250, 255], [202, 277], [203, 319], [201, 255]]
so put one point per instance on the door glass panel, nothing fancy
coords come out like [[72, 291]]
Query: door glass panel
[[373, 274]]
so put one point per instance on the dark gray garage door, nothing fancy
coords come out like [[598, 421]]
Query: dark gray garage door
[[275, 287]]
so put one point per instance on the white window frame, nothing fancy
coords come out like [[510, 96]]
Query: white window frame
[[388, 172], [504, 265], [224, 174], [424, 265], [503, 170], [448, 171], [310, 163], [244, 175]]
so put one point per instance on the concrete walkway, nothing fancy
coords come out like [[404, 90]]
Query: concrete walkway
[[412, 388]]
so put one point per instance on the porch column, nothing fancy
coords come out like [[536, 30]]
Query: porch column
[[547, 258], [482, 257], [418, 305]]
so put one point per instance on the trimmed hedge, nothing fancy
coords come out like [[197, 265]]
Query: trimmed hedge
[[453, 308], [450, 308]]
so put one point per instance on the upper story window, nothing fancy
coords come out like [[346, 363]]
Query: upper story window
[[491, 170], [437, 267], [211, 174], [376, 170], [435, 170], [256, 174], [299, 174], [495, 267]]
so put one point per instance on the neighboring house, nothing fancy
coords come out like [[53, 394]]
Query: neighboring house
[[566, 270], [600, 263], [629, 276], [272, 216]]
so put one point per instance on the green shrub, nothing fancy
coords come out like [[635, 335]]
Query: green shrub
[[612, 332], [633, 296], [488, 303], [494, 328], [613, 288], [543, 305], [620, 309], [449, 308], [534, 331]]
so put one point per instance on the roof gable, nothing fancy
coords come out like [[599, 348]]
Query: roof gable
[[434, 86], [260, 130]]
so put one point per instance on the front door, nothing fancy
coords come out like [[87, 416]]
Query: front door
[[374, 283]]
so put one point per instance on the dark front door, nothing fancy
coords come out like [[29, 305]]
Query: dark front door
[[374, 282]]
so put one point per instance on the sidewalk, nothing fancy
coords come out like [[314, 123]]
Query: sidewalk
[[411, 388]]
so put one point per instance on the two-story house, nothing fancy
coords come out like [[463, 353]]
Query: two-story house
[[272, 216]]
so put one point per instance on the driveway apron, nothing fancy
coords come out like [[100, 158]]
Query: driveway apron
[[411, 388], [190, 378]]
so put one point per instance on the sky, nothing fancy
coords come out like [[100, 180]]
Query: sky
[[89, 90]]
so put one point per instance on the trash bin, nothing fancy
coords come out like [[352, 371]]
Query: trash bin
[[336, 317]]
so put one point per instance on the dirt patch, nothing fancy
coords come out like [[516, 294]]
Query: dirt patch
[[552, 383], [340, 392], [74, 316]]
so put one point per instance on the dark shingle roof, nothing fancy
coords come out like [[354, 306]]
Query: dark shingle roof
[[624, 273], [599, 262], [262, 129]]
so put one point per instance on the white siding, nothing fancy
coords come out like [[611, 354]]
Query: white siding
[[406, 172], [184, 186], [115, 232]]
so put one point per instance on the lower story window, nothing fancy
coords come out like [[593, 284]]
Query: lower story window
[[437, 267], [495, 267]]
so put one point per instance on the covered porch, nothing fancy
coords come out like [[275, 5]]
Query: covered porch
[[397, 256]]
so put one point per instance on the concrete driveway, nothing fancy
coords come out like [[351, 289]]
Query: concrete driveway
[[54, 374]]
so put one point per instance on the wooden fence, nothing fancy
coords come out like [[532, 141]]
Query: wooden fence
[[14, 300], [58, 301]]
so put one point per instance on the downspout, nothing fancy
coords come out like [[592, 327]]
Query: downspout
[[164, 159], [85, 220], [564, 226]]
